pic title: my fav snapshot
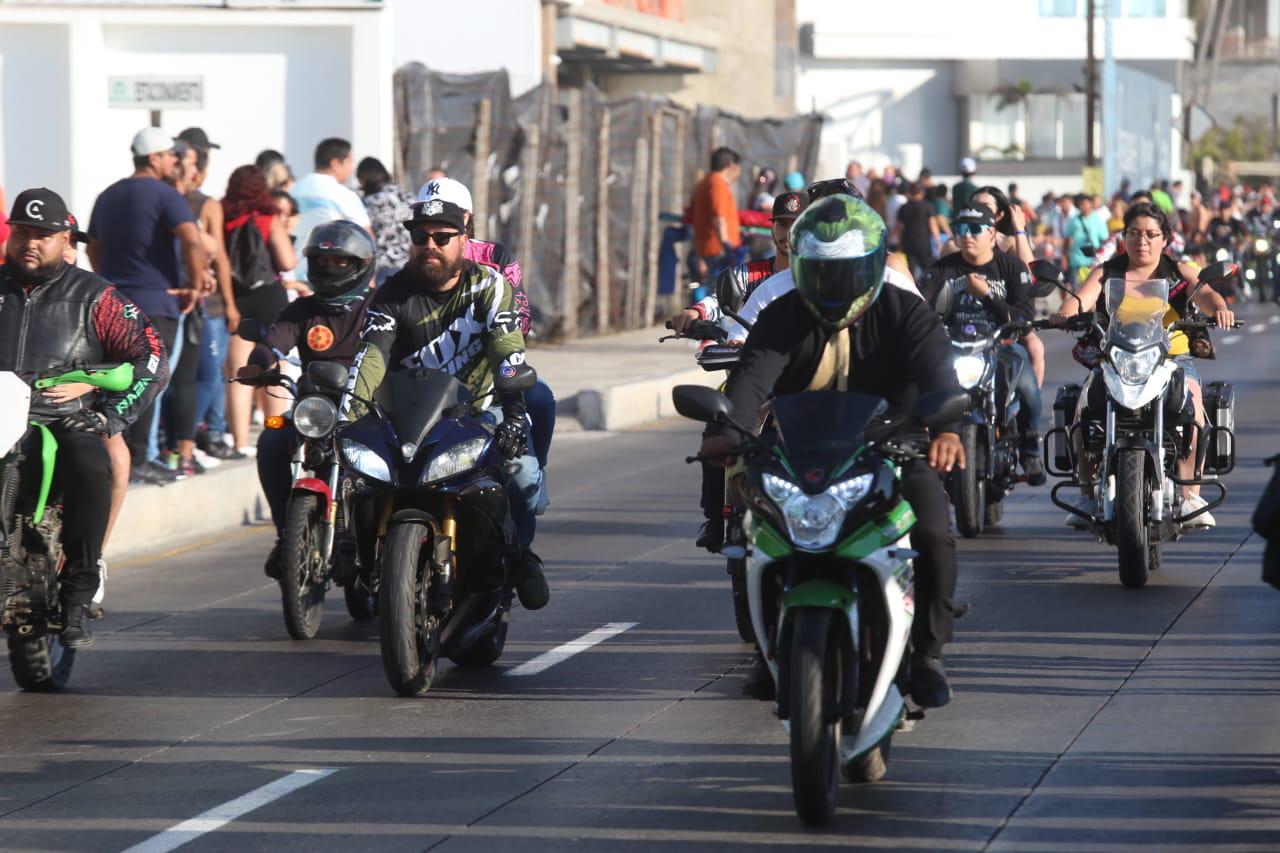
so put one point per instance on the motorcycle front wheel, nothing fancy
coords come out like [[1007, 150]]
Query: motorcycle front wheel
[[815, 724], [1134, 549], [409, 652], [970, 487], [741, 605], [40, 664], [301, 570]]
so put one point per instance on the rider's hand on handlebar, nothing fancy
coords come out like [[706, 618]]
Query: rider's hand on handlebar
[[719, 444], [510, 438], [681, 321], [67, 393], [946, 452], [1225, 318]]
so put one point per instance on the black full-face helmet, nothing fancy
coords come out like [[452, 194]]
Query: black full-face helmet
[[341, 257]]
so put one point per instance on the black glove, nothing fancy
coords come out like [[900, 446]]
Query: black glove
[[85, 420], [510, 437]]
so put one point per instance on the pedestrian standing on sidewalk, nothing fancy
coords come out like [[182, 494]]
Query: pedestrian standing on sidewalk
[[713, 212], [132, 231], [323, 196], [389, 208], [916, 230]]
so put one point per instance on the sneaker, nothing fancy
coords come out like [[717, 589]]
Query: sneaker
[[247, 452], [1034, 468], [190, 467], [152, 473], [1085, 504], [929, 685], [711, 535], [102, 583], [76, 633], [1190, 504], [221, 452], [206, 461], [531, 582], [759, 683]]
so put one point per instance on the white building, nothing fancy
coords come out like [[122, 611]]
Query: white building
[[921, 84], [280, 74]]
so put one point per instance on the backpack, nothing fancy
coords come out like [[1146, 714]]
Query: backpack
[[251, 265]]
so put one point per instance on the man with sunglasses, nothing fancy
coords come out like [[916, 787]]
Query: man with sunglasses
[[446, 312], [975, 291]]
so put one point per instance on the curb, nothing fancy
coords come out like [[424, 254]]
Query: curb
[[634, 403], [155, 518]]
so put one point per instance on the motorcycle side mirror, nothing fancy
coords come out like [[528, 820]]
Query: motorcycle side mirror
[[939, 408], [700, 403], [1048, 278], [1216, 272], [254, 331], [521, 378], [328, 375]]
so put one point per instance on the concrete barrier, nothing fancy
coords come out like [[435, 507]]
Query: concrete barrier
[[633, 403]]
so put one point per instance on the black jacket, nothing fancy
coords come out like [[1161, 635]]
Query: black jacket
[[899, 350]]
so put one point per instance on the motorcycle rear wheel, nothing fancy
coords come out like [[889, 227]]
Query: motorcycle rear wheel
[[815, 732], [970, 487], [40, 664], [409, 653], [302, 596], [1133, 545]]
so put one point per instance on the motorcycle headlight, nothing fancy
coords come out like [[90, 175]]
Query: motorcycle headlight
[[969, 370], [457, 459], [1222, 255], [814, 521], [315, 416], [1134, 368], [1250, 274], [362, 460], [1260, 246]]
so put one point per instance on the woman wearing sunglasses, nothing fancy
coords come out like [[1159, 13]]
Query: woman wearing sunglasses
[[1146, 233]]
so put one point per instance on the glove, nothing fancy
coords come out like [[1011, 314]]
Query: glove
[[510, 437], [85, 420]]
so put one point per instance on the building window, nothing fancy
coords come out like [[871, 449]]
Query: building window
[[1059, 8], [997, 131], [1145, 8], [1041, 126]]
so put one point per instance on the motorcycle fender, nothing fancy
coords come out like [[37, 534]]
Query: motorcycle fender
[[819, 594], [417, 516], [314, 486], [810, 594]]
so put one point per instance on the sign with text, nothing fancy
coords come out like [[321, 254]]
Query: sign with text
[[155, 93]]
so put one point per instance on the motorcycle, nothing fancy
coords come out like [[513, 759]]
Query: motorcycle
[[1147, 426], [432, 519], [317, 548], [829, 572], [31, 554]]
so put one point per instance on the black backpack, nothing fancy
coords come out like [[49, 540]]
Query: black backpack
[[250, 258]]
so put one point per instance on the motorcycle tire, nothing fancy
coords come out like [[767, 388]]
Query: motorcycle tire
[[300, 564], [486, 651], [362, 606], [741, 604], [872, 765], [815, 731], [40, 664], [970, 489], [1132, 536], [408, 655]]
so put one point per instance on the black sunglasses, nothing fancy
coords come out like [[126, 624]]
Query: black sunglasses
[[420, 236]]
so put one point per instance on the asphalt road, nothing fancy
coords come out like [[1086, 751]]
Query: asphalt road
[[1086, 716]]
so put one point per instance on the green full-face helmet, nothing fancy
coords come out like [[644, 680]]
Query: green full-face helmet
[[838, 249]]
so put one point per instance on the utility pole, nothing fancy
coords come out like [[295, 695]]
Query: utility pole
[[1090, 87]]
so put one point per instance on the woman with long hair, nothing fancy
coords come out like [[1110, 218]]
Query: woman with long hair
[[249, 204]]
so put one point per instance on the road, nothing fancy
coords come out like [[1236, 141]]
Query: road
[[1086, 716]]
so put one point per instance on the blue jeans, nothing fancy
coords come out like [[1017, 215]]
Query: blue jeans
[[275, 473], [153, 439], [1028, 392], [522, 487], [211, 388], [541, 404]]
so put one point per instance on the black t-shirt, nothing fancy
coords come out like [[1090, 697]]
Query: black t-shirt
[[1224, 232], [914, 218], [966, 315]]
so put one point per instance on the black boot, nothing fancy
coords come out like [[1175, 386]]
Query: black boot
[[929, 686], [530, 582], [272, 565], [759, 682], [711, 535], [76, 633], [1029, 454]]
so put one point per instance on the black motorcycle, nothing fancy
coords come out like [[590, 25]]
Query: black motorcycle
[[433, 520]]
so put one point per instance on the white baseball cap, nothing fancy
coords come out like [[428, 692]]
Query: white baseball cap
[[152, 140], [968, 166], [446, 189]]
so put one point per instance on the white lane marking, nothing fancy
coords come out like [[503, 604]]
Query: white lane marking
[[1273, 319], [562, 653], [1230, 339], [218, 816], [1255, 329]]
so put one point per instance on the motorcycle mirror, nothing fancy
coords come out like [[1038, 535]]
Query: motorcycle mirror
[[254, 331], [699, 403], [1048, 278], [328, 375], [939, 408], [1217, 272]]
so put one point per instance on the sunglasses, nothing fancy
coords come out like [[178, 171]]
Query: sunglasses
[[972, 229], [420, 237]]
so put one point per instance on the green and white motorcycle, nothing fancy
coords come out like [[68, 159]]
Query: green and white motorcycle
[[31, 523], [829, 577]]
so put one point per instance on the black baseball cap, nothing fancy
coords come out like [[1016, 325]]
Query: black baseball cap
[[437, 210], [77, 236], [41, 208], [976, 214], [197, 138], [789, 205]]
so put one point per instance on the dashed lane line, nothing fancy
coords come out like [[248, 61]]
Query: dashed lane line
[[1230, 339], [562, 653], [219, 816], [1253, 330]]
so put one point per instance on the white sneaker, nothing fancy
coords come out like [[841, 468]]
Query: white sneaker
[[102, 583], [205, 459], [249, 450], [1085, 504], [1191, 504]]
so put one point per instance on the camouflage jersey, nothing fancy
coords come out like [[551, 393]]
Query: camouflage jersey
[[470, 332]]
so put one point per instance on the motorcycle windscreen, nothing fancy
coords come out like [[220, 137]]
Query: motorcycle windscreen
[[414, 400], [15, 400], [820, 429], [1137, 311]]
